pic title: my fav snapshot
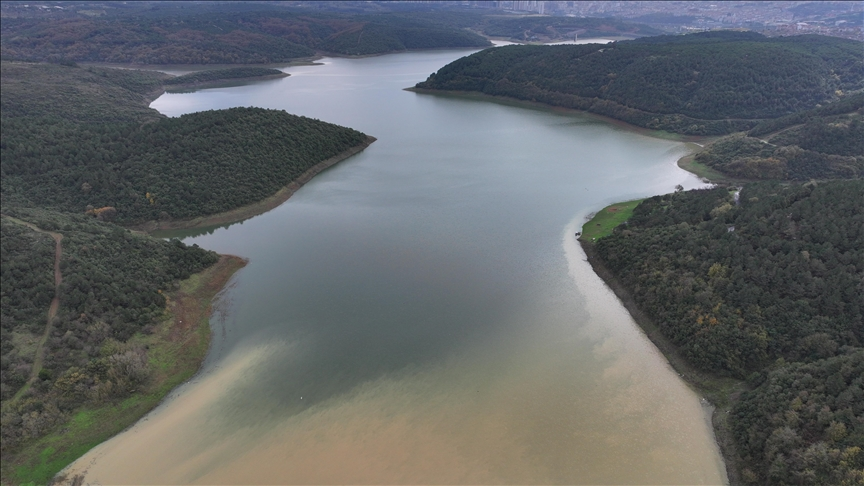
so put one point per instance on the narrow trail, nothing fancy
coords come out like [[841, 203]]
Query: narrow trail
[[52, 309]]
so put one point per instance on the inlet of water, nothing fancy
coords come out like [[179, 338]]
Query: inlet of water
[[421, 312]]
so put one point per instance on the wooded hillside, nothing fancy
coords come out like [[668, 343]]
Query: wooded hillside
[[822, 143], [114, 284], [219, 33], [212, 75], [709, 83]]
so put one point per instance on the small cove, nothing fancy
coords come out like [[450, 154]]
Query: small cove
[[421, 312]]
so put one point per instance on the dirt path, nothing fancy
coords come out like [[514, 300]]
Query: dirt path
[[52, 310]]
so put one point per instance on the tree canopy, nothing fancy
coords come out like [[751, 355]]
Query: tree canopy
[[822, 143], [699, 84]]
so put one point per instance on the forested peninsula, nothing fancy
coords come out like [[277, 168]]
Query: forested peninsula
[[127, 314], [59, 151], [710, 83], [217, 77]]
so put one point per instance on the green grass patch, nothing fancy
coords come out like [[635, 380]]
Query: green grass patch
[[40, 461], [607, 219], [81, 420]]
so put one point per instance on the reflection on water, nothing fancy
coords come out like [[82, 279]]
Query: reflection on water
[[421, 313]]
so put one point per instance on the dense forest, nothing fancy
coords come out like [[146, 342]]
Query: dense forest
[[112, 287], [763, 283], [176, 168], [70, 94], [822, 143], [57, 153], [219, 33], [710, 83]]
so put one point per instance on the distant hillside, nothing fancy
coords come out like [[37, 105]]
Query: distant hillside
[[710, 83], [219, 33], [80, 95], [822, 143]]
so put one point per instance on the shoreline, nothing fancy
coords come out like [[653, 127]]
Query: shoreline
[[720, 392], [216, 83], [300, 61], [508, 100], [176, 350], [250, 210]]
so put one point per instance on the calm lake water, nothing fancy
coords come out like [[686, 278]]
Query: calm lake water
[[421, 313]]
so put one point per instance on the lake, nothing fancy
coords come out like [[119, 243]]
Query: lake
[[421, 312]]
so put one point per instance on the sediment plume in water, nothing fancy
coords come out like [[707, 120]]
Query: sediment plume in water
[[516, 413]]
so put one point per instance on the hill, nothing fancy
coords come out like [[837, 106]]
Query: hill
[[104, 291], [710, 83], [218, 33]]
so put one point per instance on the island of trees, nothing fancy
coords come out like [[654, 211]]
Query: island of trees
[[711, 83], [81, 155], [59, 152]]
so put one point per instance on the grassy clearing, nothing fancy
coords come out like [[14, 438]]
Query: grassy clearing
[[176, 351], [607, 219]]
